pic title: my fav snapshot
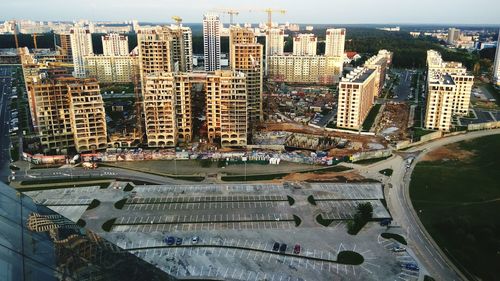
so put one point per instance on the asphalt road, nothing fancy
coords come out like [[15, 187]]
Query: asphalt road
[[404, 87], [5, 93], [431, 258]]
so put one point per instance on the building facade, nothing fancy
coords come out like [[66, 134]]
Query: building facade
[[246, 56], [182, 48], [449, 89], [81, 46], [112, 69], [68, 113], [356, 95], [335, 42], [275, 42], [114, 44], [63, 47], [211, 42], [305, 69], [453, 35], [305, 45], [380, 62], [168, 112]]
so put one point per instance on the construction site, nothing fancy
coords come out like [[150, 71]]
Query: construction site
[[392, 122]]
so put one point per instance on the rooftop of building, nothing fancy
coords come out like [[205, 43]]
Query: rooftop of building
[[358, 75], [437, 78]]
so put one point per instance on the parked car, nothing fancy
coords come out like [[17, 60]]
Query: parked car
[[398, 249], [276, 246], [170, 240], [412, 266], [283, 248], [195, 239], [296, 249], [178, 241]]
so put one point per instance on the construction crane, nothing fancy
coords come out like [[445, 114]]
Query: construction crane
[[230, 12], [270, 12], [15, 35]]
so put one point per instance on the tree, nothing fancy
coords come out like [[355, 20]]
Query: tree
[[365, 210]]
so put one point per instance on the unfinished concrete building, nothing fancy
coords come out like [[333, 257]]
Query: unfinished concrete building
[[246, 56], [67, 113], [227, 108], [63, 47], [88, 119], [168, 112]]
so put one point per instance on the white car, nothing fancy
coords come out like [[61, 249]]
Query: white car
[[195, 239]]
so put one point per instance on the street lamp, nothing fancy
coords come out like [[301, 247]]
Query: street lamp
[[244, 159]]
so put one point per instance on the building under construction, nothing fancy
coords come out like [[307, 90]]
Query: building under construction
[[168, 111]]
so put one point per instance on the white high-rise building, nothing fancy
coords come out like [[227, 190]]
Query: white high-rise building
[[275, 42], [211, 41], [335, 42], [305, 45], [496, 66], [81, 46], [114, 44]]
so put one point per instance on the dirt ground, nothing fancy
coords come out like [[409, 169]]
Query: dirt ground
[[332, 176], [361, 141], [449, 152], [395, 116]]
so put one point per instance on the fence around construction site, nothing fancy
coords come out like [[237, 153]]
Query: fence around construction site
[[483, 126], [365, 155]]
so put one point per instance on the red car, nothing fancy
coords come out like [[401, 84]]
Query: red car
[[296, 249]]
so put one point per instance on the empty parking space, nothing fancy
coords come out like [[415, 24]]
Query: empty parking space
[[347, 191], [345, 209]]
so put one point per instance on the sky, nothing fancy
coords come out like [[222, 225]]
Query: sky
[[298, 11]]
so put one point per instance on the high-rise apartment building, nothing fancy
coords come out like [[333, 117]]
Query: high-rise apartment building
[[112, 69], [305, 69], [496, 65], [155, 51], [380, 62], [68, 113], [87, 115], [63, 47], [305, 44], [275, 42], [453, 35], [168, 112], [335, 42], [356, 96], [114, 44], [449, 89], [182, 48], [211, 42], [81, 46], [246, 56], [227, 108]]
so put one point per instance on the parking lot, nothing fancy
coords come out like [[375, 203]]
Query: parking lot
[[237, 225]]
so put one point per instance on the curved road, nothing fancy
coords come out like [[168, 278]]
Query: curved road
[[430, 255]]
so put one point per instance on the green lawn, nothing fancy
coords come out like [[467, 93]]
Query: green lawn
[[459, 204]]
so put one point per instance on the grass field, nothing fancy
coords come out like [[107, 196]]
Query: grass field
[[458, 201]]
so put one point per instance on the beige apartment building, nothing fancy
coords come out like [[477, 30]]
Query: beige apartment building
[[305, 69], [114, 44], [380, 62], [356, 96], [168, 112], [112, 69], [335, 42], [305, 44], [63, 47], [68, 113], [246, 56], [87, 116], [449, 89]]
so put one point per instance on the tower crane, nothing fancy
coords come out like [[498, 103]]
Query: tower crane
[[230, 12], [270, 12]]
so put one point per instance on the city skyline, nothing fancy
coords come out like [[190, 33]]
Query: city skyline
[[364, 12]]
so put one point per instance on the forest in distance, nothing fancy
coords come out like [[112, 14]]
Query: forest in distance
[[409, 52]]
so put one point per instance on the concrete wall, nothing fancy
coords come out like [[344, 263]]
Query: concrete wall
[[483, 126], [371, 155], [277, 147]]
